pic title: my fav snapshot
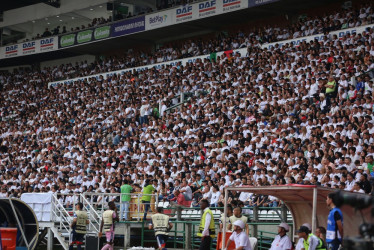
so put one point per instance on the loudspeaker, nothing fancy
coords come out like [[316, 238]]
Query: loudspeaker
[[92, 242], [109, 6]]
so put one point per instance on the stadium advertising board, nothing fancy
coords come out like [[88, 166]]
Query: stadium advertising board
[[183, 13], [85, 36], [158, 20], [233, 5], [127, 27], [253, 3], [67, 40], [29, 48], [207, 8], [320, 37]]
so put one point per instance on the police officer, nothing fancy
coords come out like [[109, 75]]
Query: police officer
[[207, 230], [311, 242], [78, 226], [334, 233], [107, 222], [160, 223]]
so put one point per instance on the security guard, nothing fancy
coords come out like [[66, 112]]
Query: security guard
[[207, 230], [160, 223], [78, 226], [334, 234], [107, 222]]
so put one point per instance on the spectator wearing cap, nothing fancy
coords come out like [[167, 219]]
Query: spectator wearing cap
[[282, 241], [241, 239], [309, 240]]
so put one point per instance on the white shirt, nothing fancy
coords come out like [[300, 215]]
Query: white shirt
[[208, 217], [281, 243], [241, 240]]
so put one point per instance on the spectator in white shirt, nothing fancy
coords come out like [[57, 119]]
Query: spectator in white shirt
[[239, 236], [282, 241]]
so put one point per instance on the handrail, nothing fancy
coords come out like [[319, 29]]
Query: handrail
[[64, 218], [91, 211]]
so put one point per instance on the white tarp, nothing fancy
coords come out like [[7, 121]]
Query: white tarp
[[41, 204]]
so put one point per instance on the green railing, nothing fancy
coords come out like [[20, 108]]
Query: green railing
[[184, 231], [264, 241]]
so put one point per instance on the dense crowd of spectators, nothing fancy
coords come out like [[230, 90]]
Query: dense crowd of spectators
[[271, 117], [306, 26]]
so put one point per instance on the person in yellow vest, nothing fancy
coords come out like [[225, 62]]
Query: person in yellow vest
[[238, 216], [160, 223], [207, 230], [311, 242], [78, 226], [110, 216]]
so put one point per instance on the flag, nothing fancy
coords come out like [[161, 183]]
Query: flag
[[228, 52], [213, 57]]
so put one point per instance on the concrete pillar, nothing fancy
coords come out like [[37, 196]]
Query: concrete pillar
[[126, 239], [50, 238], [284, 213], [188, 236], [179, 213]]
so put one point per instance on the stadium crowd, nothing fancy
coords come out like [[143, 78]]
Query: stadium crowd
[[271, 117], [194, 47]]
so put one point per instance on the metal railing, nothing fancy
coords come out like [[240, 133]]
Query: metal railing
[[59, 214], [183, 235], [99, 201], [93, 217]]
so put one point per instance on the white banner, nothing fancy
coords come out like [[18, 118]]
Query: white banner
[[158, 20], [29, 48], [233, 5], [207, 9]]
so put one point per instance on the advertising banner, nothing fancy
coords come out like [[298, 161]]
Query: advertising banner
[[233, 5], [102, 32], [67, 40], [85, 36], [183, 13], [10, 51], [29, 48], [48, 44], [253, 3], [158, 20], [128, 26], [207, 9]]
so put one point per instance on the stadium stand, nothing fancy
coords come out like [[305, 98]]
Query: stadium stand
[[269, 117], [305, 27]]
